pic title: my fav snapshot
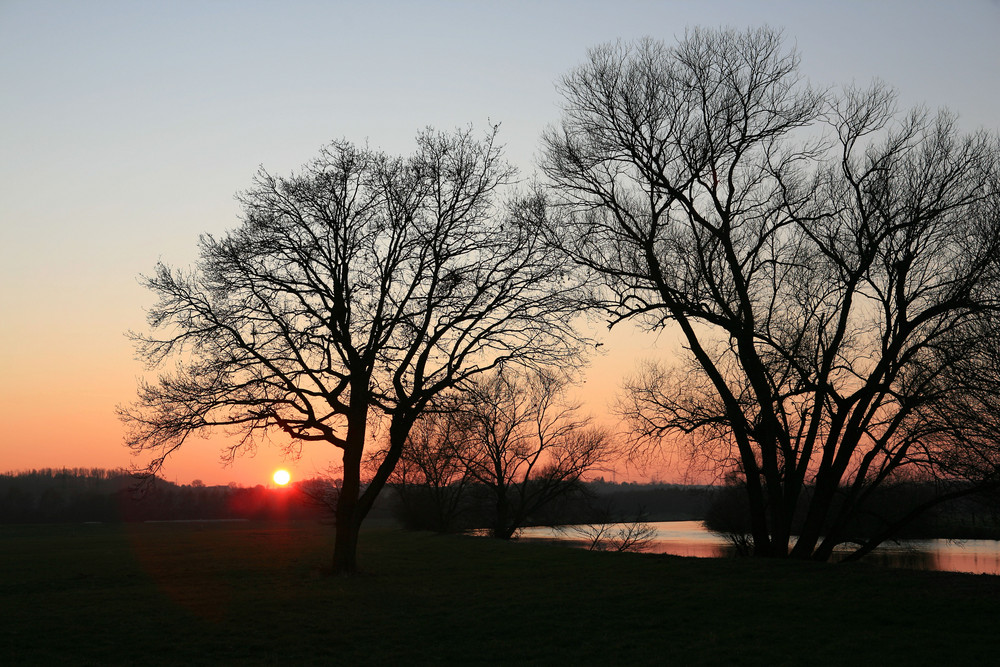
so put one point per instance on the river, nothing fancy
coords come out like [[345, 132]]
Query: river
[[691, 538]]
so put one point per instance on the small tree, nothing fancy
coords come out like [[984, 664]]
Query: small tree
[[430, 479], [319, 492], [520, 439], [609, 533], [729, 516], [362, 287]]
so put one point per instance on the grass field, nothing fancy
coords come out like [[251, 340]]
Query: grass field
[[243, 593]]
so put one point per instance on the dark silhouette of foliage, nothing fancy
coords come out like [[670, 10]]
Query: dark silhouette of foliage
[[83, 494], [656, 502]]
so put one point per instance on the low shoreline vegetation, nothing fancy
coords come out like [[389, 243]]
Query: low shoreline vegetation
[[83, 494], [256, 593]]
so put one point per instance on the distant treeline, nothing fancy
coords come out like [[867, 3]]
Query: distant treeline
[[975, 516], [723, 509], [456, 509], [655, 501], [95, 494]]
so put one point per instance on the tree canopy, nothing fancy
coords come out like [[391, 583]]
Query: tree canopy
[[364, 285], [831, 263]]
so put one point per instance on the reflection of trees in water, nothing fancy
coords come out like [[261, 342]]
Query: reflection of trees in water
[[970, 556], [693, 549], [909, 559], [976, 556]]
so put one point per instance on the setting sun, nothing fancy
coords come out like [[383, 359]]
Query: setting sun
[[281, 477]]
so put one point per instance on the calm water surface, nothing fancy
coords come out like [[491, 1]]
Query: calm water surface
[[690, 538]]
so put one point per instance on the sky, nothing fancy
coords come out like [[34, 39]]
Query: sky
[[126, 129]]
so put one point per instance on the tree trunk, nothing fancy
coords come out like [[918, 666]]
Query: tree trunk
[[758, 517], [353, 506], [345, 547], [816, 519], [501, 523], [349, 515]]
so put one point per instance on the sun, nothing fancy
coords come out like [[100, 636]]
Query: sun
[[281, 477]]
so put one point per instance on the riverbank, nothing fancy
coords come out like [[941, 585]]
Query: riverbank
[[692, 539], [254, 594]]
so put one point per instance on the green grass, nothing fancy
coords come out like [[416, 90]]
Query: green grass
[[254, 593]]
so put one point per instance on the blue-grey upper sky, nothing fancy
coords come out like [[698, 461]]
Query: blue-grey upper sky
[[126, 127]]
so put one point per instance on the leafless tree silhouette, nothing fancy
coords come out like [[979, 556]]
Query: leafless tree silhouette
[[609, 533], [831, 263], [517, 435], [430, 478], [364, 285]]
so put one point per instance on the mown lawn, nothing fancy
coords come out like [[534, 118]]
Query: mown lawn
[[254, 593]]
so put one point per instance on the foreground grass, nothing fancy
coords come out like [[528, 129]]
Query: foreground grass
[[254, 593]]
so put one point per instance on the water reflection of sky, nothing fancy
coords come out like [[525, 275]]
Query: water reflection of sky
[[690, 538], [975, 556]]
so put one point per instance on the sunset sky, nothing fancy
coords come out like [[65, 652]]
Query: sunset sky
[[127, 127]]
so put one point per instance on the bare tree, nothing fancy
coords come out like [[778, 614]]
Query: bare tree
[[430, 478], [606, 533], [831, 264], [321, 492], [519, 437], [365, 285]]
